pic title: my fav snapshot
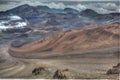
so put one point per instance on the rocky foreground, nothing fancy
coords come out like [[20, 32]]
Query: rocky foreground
[[90, 65]]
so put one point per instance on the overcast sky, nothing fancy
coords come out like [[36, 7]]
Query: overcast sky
[[80, 0], [7, 1], [103, 7]]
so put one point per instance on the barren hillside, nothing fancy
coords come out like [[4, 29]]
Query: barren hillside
[[75, 40]]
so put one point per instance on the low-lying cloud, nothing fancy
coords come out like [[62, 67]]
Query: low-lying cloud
[[98, 7]]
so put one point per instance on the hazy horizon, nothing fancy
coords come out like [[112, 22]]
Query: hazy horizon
[[104, 6]]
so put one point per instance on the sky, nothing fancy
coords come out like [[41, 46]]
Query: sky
[[105, 7], [80, 0]]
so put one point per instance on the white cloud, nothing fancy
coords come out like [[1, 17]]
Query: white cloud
[[109, 6], [99, 7]]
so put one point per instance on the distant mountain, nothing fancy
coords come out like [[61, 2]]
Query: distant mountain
[[70, 10], [41, 12], [43, 8], [89, 13], [26, 10], [94, 15]]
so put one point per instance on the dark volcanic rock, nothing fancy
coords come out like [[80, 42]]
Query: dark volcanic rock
[[52, 22], [39, 71], [19, 43], [114, 70], [63, 74], [16, 30]]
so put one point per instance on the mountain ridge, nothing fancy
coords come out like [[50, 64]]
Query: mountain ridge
[[28, 11]]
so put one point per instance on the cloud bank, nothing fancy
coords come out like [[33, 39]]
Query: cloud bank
[[108, 7]]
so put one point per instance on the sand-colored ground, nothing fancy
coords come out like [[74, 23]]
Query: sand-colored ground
[[90, 64]]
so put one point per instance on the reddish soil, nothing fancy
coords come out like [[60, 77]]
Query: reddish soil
[[75, 40]]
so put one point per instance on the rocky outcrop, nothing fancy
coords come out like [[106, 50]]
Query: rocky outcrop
[[63, 74], [39, 71], [114, 70]]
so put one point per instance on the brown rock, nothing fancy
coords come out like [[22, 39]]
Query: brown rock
[[114, 70], [38, 71], [63, 74]]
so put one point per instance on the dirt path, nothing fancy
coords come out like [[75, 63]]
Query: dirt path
[[11, 67]]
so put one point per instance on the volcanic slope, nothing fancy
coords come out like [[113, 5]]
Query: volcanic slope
[[75, 40]]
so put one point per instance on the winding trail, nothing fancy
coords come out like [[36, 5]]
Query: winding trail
[[11, 67]]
